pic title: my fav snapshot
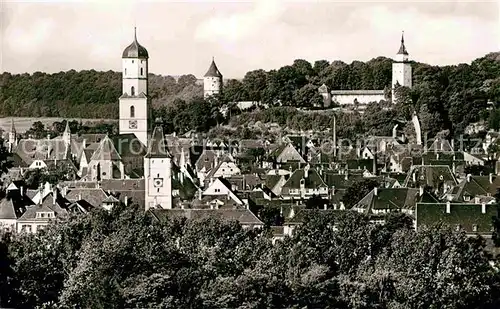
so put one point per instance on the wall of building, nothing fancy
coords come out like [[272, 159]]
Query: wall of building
[[348, 98]]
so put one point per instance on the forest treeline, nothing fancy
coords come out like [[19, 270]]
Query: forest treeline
[[125, 259], [445, 97]]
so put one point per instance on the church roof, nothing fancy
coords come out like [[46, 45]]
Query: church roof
[[135, 50], [402, 48], [106, 151], [213, 71], [157, 147]]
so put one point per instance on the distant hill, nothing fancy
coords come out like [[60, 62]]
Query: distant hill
[[84, 94]]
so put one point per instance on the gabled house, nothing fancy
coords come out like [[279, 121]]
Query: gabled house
[[221, 188], [12, 207], [37, 217], [474, 189], [287, 153], [381, 201], [439, 177], [304, 183]]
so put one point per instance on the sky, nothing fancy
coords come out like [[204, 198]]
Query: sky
[[183, 36]]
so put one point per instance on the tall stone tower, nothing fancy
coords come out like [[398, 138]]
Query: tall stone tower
[[134, 107], [401, 69], [212, 81], [12, 143], [158, 172]]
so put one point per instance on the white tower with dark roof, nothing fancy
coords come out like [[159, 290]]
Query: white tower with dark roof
[[12, 136], [401, 69], [158, 171], [212, 81], [134, 107]]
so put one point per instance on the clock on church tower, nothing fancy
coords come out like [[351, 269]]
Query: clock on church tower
[[158, 182]]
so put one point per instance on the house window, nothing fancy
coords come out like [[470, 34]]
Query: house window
[[132, 109], [474, 228], [132, 90], [217, 190], [158, 175], [125, 72], [141, 72], [158, 190], [132, 61]]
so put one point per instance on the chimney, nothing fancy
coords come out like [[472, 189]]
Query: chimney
[[54, 196], [325, 206], [469, 177], [306, 171], [199, 194], [65, 191], [454, 169], [333, 190], [358, 151], [79, 196], [375, 191], [211, 206], [491, 178], [125, 201], [448, 207], [421, 191], [483, 208], [346, 175], [414, 176]]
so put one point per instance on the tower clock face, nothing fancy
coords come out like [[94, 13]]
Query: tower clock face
[[158, 182], [132, 124]]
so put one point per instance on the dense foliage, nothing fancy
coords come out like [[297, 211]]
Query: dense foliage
[[84, 94], [123, 259], [445, 98]]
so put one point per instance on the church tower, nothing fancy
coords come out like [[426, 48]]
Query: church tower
[[134, 107], [158, 171], [12, 136], [401, 69], [212, 81]]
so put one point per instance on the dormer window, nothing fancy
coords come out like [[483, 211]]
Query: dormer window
[[474, 228]]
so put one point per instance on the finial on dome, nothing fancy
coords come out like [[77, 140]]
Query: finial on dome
[[135, 33]]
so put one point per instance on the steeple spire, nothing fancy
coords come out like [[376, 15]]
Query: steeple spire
[[402, 48]]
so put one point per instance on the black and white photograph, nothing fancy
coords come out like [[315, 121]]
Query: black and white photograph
[[249, 154]]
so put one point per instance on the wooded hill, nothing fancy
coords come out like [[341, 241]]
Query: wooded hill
[[446, 98]]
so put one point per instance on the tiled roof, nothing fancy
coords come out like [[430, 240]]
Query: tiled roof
[[243, 216], [94, 196], [393, 199], [30, 150], [46, 206], [128, 145], [122, 184], [430, 175], [312, 181], [464, 215], [301, 214], [213, 71], [106, 151], [157, 144]]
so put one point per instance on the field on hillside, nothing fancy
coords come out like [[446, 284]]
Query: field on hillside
[[22, 124]]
